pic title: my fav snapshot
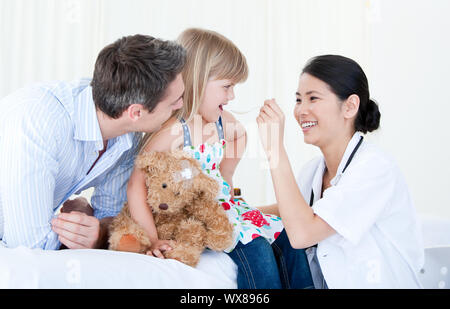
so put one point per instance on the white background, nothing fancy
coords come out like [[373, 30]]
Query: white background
[[403, 46]]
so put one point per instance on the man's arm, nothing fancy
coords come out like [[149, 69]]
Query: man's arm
[[28, 168], [79, 227]]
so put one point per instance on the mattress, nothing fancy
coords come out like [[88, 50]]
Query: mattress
[[22, 267]]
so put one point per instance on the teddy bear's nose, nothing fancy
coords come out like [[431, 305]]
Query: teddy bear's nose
[[163, 206]]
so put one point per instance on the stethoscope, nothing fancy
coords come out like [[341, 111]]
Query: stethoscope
[[311, 200]]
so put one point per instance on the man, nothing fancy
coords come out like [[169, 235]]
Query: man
[[59, 139]]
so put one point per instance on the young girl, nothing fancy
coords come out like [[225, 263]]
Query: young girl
[[217, 140], [361, 231]]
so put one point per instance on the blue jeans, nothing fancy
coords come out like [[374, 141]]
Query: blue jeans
[[277, 266]]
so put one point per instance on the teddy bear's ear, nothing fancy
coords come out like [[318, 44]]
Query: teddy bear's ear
[[149, 161]]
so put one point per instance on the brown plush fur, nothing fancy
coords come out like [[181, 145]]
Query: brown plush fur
[[193, 219]]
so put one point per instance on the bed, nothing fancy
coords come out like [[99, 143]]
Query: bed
[[22, 267]]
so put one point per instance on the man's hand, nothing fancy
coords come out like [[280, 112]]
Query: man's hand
[[77, 230], [76, 226]]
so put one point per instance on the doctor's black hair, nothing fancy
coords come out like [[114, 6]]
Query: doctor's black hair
[[345, 77]]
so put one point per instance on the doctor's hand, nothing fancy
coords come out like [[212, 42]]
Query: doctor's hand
[[77, 230], [271, 128]]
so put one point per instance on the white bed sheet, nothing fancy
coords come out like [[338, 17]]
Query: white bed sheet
[[35, 268], [22, 267]]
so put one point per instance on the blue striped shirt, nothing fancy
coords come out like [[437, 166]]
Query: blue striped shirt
[[49, 139]]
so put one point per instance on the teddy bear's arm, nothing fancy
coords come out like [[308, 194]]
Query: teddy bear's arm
[[219, 228]]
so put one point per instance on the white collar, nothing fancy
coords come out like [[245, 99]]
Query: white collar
[[85, 111], [320, 170]]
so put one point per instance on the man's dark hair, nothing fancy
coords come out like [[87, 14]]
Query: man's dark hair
[[135, 69]]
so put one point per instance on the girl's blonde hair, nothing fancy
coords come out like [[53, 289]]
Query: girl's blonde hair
[[208, 54]]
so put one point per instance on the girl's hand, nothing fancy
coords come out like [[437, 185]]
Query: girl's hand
[[271, 128], [158, 247]]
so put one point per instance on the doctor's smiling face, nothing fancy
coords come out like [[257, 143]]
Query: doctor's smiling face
[[319, 111], [333, 101]]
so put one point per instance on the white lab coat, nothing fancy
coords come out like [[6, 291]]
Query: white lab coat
[[378, 243]]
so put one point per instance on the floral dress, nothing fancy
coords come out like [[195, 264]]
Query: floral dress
[[248, 222]]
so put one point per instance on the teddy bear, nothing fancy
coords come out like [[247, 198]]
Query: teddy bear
[[183, 202]]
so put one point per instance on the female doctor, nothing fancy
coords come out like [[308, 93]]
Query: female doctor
[[350, 207]]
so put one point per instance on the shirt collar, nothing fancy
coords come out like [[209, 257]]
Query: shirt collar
[[316, 184], [87, 127], [123, 142], [320, 170], [85, 119]]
